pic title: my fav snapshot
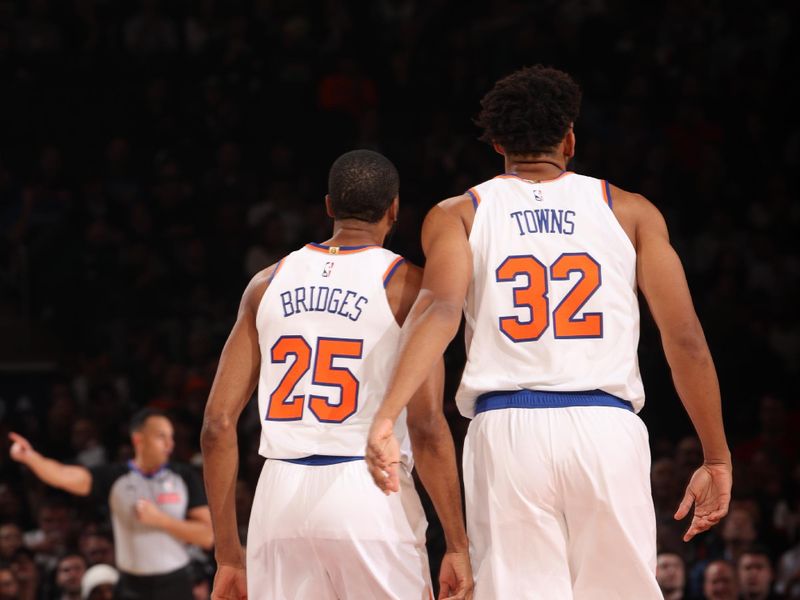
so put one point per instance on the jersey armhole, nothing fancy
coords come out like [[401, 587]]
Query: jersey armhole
[[275, 270], [607, 193], [391, 270], [476, 198]]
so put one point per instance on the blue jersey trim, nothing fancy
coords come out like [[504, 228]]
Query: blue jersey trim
[[474, 199], [321, 460], [539, 399], [132, 466], [608, 194], [391, 272], [275, 271]]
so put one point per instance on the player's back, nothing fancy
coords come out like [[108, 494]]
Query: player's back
[[328, 341], [553, 304]]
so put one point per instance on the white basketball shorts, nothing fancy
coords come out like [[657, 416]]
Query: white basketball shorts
[[327, 532], [559, 505]]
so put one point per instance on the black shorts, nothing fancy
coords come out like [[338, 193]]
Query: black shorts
[[176, 585]]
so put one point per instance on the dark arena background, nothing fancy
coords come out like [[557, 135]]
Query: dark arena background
[[155, 155]]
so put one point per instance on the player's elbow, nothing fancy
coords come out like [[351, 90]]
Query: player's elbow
[[447, 314], [688, 343], [216, 429], [426, 430]]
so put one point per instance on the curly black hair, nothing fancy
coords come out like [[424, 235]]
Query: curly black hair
[[529, 111], [362, 185]]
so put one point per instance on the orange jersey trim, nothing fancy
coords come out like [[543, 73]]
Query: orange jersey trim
[[606, 192], [339, 249]]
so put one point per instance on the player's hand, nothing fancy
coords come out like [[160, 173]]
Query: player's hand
[[230, 583], [709, 490], [455, 577], [21, 449], [148, 513], [383, 456]]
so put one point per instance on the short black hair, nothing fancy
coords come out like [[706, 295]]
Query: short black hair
[[530, 111], [140, 418], [756, 549], [362, 185]]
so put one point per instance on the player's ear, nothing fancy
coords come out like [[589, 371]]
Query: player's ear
[[498, 148], [569, 143], [394, 210], [329, 206]]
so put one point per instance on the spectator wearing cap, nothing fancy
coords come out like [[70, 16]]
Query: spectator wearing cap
[[99, 582]]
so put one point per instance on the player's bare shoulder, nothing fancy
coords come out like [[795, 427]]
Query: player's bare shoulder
[[402, 290], [449, 211], [254, 292], [635, 213]]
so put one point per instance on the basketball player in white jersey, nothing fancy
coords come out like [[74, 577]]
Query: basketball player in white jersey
[[318, 333], [546, 264]]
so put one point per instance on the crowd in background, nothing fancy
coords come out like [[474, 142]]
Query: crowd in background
[[155, 155]]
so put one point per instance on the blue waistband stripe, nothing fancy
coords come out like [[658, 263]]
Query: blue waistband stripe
[[539, 399], [321, 460]]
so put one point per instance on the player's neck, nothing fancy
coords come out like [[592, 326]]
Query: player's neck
[[536, 167], [145, 468], [352, 232]]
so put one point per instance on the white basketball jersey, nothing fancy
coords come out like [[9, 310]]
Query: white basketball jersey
[[553, 303], [328, 341]]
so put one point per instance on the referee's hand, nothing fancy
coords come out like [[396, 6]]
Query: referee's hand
[[230, 583]]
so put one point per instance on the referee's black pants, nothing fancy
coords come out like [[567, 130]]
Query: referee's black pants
[[176, 585]]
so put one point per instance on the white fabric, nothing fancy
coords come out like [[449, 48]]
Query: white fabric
[[359, 310], [547, 220], [328, 533], [559, 505]]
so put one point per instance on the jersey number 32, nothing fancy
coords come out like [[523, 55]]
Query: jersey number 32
[[534, 296]]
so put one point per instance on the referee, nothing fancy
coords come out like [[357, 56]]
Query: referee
[[157, 508]]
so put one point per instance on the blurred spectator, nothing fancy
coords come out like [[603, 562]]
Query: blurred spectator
[[86, 445], [671, 575], [755, 574], [10, 540], [97, 547], [98, 583], [9, 586], [69, 572], [788, 579], [719, 581], [55, 520], [26, 573]]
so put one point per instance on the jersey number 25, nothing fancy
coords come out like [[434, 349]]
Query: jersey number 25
[[283, 408]]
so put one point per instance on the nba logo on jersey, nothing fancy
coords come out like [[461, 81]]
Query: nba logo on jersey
[[537, 195], [327, 270]]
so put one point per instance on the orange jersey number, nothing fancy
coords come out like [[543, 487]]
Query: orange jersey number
[[324, 373], [533, 296]]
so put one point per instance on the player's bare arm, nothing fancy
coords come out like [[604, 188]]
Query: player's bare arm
[[433, 448], [236, 378], [663, 282], [436, 314], [74, 479]]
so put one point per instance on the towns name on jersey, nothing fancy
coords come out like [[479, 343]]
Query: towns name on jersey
[[336, 301], [544, 220]]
